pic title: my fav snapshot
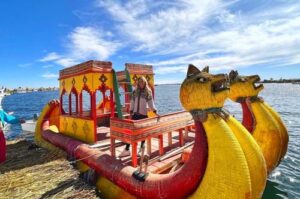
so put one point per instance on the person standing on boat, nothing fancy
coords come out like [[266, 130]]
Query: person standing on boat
[[141, 99], [5, 118]]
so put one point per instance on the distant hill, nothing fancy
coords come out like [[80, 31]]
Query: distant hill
[[295, 81]]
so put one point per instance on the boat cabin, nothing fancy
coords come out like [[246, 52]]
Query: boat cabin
[[86, 91]]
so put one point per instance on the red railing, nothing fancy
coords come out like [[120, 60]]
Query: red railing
[[133, 131]]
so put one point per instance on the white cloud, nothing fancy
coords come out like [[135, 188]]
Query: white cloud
[[89, 42], [50, 57], [172, 34], [48, 66], [209, 32], [157, 26], [84, 43], [66, 62], [170, 69], [50, 75]]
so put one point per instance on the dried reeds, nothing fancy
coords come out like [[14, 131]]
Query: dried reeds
[[38, 173]]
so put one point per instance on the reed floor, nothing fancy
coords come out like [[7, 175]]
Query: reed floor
[[38, 173]]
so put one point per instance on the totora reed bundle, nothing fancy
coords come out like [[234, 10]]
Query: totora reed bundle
[[38, 173]]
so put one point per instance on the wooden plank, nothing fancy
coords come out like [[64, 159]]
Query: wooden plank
[[167, 166], [179, 150]]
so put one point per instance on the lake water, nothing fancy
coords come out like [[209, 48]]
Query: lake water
[[284, 182]]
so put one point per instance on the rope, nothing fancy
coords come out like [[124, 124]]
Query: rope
[[201, 114], [203, 111], [77, 160], [251, 99]]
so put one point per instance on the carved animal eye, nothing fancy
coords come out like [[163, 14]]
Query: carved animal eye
[[201, 79]]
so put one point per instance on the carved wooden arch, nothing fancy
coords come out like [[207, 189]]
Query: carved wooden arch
[[62, 111], [73, 91], [87, 89], [103, 89]]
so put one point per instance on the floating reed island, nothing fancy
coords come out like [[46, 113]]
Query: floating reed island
[[31, 172]]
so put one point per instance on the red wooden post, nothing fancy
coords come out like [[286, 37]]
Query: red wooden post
[[70, 104], [134, 154], [161, 144], [103, 98], [93, 105], [112, 147], [80, 102], [76, 103], [61, 104], [94, 114], [181, 141]]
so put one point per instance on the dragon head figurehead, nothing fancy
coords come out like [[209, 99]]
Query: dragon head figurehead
[[201, 90], [244, 86]]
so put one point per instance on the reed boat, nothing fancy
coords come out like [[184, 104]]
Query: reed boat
[[184, 156]]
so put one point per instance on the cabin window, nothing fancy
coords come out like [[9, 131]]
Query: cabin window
[[108, 104], [99, 101], [74, 102], [86, 103], [64, 103]]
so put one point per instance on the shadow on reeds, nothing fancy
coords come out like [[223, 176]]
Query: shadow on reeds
[[60, 188], [18, 156], [79, 189], [273, 192]]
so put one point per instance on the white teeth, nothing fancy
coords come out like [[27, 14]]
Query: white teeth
[[257, 85]]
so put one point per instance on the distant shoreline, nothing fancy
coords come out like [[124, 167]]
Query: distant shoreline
[[282, 81], [264, 82]]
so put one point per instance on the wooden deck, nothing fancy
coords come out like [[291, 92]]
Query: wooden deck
[[158, 163]]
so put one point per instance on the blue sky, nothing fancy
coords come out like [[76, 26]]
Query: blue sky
[[38, 38]]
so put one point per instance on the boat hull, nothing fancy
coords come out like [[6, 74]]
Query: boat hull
[[178, 184]]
